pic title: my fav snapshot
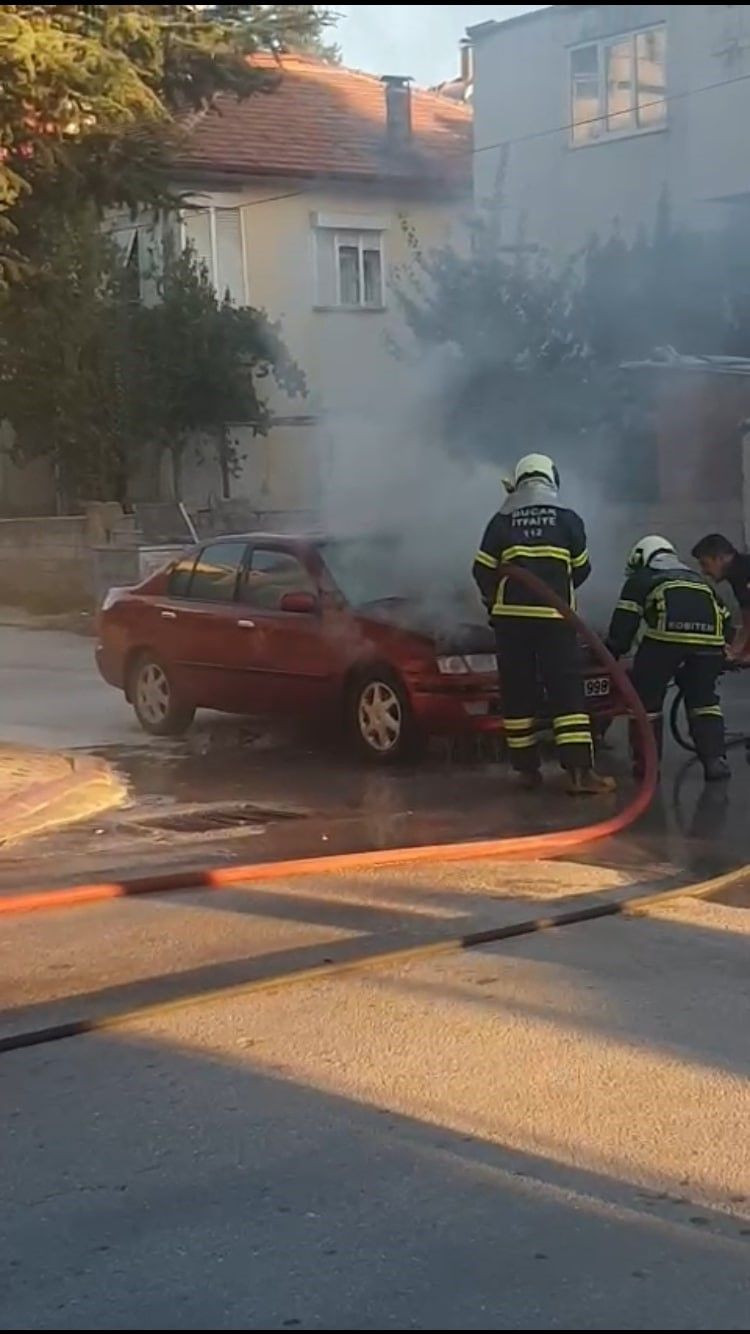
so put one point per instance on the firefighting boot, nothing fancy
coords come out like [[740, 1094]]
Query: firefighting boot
[[588, 783], [530, 779]]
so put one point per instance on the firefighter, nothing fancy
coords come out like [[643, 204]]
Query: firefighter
[[720, 560], [536, 646], [684, 627]]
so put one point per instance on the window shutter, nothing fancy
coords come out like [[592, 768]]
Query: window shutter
[[229, 256]]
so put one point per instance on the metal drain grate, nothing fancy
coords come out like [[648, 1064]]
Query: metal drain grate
[[216, 819]]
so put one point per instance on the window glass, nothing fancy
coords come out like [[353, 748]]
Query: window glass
[[215, 575], [652, 76], [372, 277], [179, 578], [270, 575], [620, 85], [349, 275], [584, 75]]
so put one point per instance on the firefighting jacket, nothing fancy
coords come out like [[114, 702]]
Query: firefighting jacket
[[534, 533], [673, 605]]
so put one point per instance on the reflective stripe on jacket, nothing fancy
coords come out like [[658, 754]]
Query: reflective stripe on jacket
[[675, 605], [540, 536]]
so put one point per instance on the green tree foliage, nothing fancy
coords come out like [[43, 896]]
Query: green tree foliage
[[91, 95], [513, 358], [199, 363], [59, 374], [103, 385], [531, 353]]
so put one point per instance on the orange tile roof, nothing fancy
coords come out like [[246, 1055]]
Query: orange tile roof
[[324, 120]]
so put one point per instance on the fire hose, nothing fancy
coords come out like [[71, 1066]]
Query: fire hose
[[531, 846]]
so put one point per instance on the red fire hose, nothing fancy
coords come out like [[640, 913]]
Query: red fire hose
[[523, 846]]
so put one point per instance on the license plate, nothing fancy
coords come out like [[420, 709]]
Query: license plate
[[477, 708], [596, 687], [482, 662]]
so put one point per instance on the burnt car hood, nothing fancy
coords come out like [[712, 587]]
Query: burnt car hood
[[449, 628]]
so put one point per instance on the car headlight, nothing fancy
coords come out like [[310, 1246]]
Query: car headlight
[[453, 665]]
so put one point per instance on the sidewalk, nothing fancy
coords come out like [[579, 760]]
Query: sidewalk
[[41, 790]]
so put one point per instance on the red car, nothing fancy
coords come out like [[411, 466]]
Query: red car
[[310, 628]]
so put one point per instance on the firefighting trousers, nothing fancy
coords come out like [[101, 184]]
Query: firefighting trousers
[[696, 673], [540, 677]]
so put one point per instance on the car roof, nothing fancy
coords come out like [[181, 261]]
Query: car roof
[[300, 539], [309, 539]]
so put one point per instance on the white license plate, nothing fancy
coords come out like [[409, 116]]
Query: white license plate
[[596, 687], [482, 663], [477, 708]]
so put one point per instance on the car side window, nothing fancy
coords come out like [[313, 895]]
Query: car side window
[[269, 575], [180, 576], [216, 572]]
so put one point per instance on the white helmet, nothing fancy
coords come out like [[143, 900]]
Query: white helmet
[[538, 467], [644, 551]]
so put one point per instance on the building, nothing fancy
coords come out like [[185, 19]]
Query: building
[[299, 202], [586, 115]]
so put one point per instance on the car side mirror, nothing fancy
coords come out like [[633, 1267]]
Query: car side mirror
[[301, 603]]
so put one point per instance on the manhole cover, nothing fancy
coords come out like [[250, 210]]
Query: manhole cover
[[216, 819]]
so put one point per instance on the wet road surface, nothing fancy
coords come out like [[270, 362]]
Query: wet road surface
[[229, 791], [544, 1134]]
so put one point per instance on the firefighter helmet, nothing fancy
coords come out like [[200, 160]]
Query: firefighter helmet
[[644, 551], [536, 467]]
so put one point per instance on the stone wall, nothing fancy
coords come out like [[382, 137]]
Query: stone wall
[[45, 564], [60, 564]]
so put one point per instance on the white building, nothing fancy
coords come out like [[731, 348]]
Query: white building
[[585, 115], [300, 202]]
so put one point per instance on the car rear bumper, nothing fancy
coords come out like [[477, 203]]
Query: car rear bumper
[[110, 666]]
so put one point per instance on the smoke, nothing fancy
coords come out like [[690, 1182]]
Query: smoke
[[389, 473]]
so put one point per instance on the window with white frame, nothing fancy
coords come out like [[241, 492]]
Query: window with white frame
[[618, 85], [215, 235], [349, 265]]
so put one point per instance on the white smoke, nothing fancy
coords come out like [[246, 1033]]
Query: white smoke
[[389, 473]]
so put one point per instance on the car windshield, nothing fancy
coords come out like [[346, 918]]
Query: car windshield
[[368, 569]]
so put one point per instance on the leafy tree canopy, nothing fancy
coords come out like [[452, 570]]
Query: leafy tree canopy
[[90, 95]]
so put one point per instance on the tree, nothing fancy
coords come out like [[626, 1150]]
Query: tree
[[91, 95], [199, 363], [534, 350], [514, 358], [61, 373], [103, 386]]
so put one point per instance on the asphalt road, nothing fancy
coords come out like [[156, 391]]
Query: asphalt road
[[304, 795], [547, 1134]]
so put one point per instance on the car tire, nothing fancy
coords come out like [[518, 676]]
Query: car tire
[[152, 695], [380, 722]]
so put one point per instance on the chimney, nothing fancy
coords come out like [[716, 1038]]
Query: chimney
[[397, 110], [466, 57]]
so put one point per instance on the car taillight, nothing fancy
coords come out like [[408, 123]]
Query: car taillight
[[110, 598]]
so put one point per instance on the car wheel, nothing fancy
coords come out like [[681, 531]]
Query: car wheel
[[380, 718], [152, 695]]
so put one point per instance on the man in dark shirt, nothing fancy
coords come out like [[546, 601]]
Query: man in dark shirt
[[723, 562]]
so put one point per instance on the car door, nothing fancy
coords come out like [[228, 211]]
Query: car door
[[296, 663], [205, 640]]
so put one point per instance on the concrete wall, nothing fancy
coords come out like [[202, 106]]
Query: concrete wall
[[45, 564], [559, 194]]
